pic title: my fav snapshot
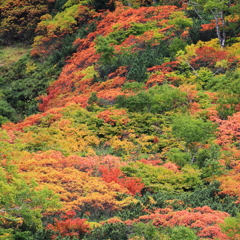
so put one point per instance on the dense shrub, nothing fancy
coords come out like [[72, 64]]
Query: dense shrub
[[158, 99]]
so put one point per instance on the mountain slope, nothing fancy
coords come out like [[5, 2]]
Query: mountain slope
[[133, 125]]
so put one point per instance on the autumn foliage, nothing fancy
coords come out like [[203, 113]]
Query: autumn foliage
[[69, 226], [137, 134], [20, 18], [204, 219]]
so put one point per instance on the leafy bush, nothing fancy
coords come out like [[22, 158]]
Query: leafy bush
[[113, 231], [144, 231], [158, 178], [136, 62], [19, 19], [178, 156], [29, 78], [132, 211], [182, 232], [21, 203], [193, 131], [159, 99], [231, 227], [59, 5], [103, 4], [176, 45], [227, 105], [21, 86], [6, 112], [204, 195]]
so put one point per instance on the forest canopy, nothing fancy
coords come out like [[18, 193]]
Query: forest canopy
[[119, 119]]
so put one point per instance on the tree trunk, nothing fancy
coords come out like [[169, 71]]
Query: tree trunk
[[221, 37]]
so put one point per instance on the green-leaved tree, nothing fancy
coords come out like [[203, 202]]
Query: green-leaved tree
[[193, 131], [218, 9]]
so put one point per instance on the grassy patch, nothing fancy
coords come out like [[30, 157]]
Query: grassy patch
[[11, 54]]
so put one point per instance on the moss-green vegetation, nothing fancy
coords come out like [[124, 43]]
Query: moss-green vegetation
[[121, 120]]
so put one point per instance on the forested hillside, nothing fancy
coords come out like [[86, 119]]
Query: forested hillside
[[119, 120]]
